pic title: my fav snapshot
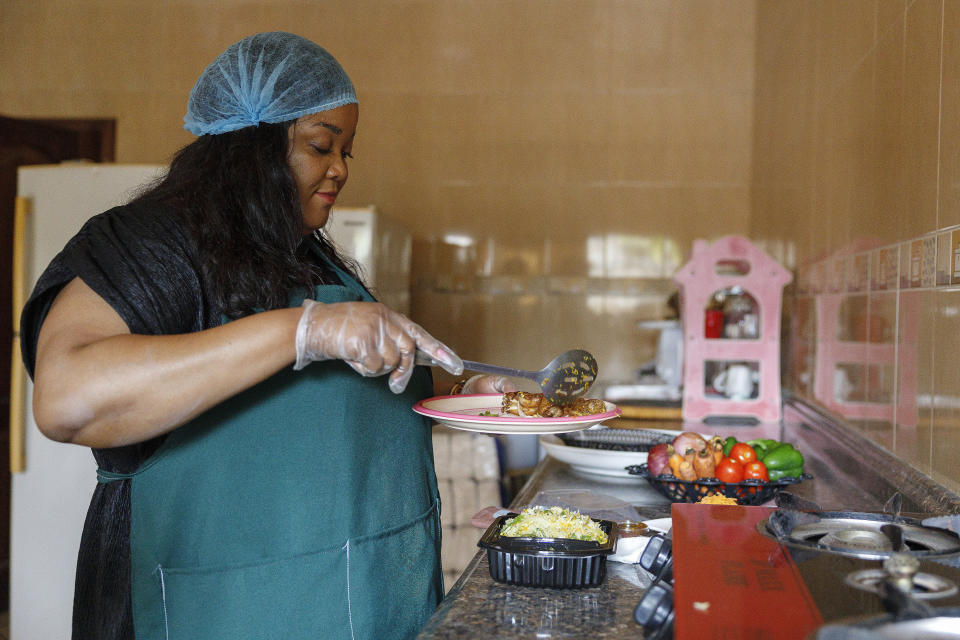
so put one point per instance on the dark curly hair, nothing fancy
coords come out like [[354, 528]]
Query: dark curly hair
[[240, 204]]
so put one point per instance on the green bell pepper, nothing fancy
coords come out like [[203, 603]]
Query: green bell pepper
[[779, 474], [783, 457], [763, 446], [728, 444]]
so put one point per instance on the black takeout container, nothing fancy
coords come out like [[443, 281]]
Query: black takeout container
[[558, 563]]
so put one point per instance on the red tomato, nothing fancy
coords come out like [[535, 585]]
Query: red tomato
[[743, 453], [755, 470], [729, 470]]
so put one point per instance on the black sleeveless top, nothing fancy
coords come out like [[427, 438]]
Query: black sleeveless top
[[140, 259]]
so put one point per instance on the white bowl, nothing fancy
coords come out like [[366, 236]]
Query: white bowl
[[599, 462]]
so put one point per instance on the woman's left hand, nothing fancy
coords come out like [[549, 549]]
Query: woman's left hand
[[488, 384]]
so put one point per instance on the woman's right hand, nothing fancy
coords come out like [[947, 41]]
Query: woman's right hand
[[371, 338]]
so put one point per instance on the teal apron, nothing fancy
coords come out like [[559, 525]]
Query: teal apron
[[305, 507]]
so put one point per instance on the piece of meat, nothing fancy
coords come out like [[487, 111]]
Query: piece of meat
[[586, 407], [535, 405]]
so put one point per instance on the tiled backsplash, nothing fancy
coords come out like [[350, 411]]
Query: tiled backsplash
[[873, 336], [856, 163], [932, 260], [517, 307]]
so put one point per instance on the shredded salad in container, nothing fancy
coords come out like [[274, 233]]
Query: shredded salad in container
[[553, 522]]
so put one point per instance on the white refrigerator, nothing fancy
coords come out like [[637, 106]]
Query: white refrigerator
[[51, 493], [381, 245]]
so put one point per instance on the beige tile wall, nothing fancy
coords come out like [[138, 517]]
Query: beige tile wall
[[856, 147], [555, 159], [577, 146]]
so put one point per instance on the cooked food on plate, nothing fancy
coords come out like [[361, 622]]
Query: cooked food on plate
[[535, 405], [553, 522]]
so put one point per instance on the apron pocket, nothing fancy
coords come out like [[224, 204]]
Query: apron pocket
[[400, 573], [304, 596]]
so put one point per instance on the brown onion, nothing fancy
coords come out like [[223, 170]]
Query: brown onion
[[689, 440]]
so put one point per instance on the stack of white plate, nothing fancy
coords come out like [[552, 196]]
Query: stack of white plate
[[598, 461]]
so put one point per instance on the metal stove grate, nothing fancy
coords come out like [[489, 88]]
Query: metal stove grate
[[860, 535], [926, 586]]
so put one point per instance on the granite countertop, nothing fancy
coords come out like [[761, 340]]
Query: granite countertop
[[849, 473], [479, 607]]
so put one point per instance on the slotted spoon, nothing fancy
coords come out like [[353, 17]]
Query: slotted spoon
[[566, 377]]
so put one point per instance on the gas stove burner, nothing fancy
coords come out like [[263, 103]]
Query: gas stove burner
[[926, 586], [944, 624], [860, 535], [847, 539]]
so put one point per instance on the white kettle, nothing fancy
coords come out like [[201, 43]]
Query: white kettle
[[669, 362]]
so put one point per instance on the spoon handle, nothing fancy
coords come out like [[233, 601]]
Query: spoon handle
[[468, 365], [498, 371]]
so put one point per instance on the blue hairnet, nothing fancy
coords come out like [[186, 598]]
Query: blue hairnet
[[267, 77]]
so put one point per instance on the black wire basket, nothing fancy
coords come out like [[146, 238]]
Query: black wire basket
[[747, 492]]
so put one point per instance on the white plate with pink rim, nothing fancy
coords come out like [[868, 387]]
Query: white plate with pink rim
[[481, 413]]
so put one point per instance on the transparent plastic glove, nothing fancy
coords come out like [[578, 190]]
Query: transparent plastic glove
[[488, 384], [369, 337]]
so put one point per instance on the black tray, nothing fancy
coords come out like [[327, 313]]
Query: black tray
[[559, 563], [748, 492], [612, 438]]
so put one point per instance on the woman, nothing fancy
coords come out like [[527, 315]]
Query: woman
[[240, 497]]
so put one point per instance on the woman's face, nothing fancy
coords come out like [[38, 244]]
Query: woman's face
[[319, 147]]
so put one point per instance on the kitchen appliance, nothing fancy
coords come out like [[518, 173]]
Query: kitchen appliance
[[668, 365], [799, 572], [655, 611], [658, 382], [381, 245]]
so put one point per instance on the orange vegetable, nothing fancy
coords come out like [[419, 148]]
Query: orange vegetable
[[674, 462], [716, 445], [687, 471], [704, 464]]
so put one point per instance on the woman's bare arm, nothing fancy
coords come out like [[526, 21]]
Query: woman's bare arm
[[98, 385]]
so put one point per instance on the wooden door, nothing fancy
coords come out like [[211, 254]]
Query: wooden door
[[24, 142]]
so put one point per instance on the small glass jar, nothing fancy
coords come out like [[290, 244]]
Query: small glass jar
[[630, 529]]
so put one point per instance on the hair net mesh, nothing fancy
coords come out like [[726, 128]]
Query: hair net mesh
[[267, 77]]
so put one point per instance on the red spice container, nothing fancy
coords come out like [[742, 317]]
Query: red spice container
[[713, 326], [713, 317]]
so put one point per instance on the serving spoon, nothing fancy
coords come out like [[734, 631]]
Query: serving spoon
[[565, 378]]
